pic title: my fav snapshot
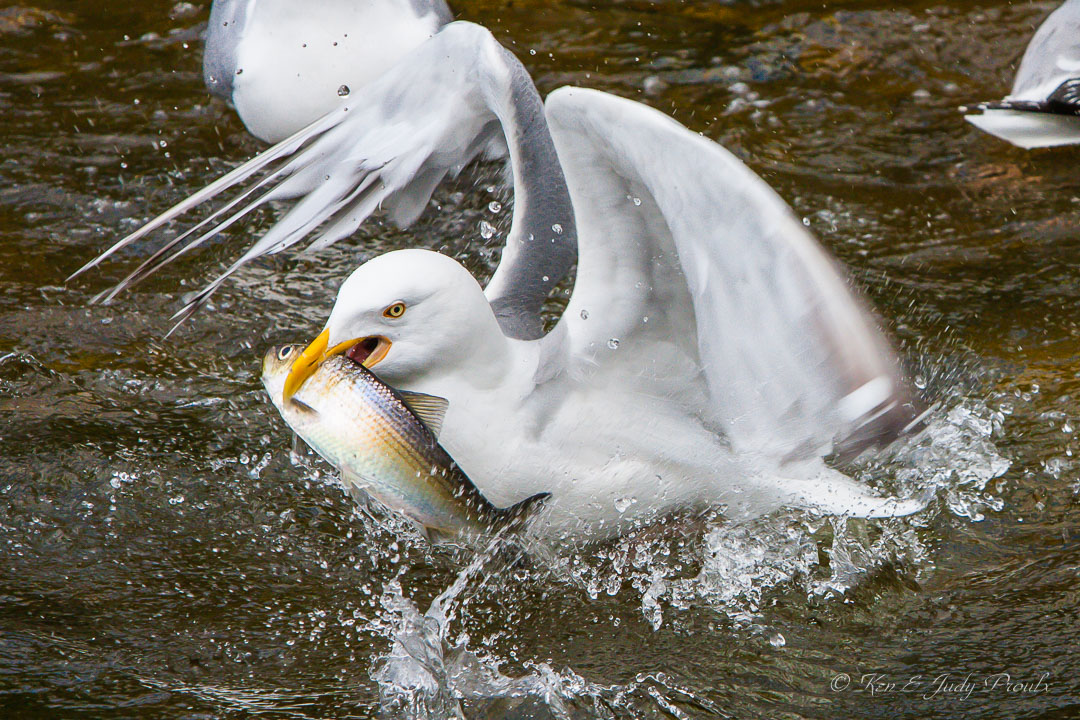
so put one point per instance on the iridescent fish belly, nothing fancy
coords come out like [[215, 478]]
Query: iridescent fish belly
[[384, 441]]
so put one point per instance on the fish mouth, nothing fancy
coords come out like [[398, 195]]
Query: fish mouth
[[367, 351]]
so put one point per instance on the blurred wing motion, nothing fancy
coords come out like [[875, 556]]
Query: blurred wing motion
[[388, 147], [1043, 109], [682, 245]]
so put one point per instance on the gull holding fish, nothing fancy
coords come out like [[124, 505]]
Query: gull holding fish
[[1043, 109], [711, 352], [383, 443]]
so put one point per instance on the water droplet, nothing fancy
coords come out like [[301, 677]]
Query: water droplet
[[532, 52], [636, 201], [613, 343], [487, 230], [546, 278], [557, 228], [584, 314], [777, 640], [176, 500], [343, 91], [494, 206], [806, 221], [623, 504], [920, 382]]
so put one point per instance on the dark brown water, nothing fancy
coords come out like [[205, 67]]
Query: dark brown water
[[164, 557]]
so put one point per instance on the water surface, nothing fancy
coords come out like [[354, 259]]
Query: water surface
[[165, 556]]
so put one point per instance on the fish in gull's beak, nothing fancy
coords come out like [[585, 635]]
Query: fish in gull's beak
[[366, 351]]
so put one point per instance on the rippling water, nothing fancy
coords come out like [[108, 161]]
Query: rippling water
[[164, 555]]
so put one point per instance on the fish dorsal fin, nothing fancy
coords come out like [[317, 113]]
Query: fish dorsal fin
[[431, 409]]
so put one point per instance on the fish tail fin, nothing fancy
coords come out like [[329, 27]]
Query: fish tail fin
[[513, 518]]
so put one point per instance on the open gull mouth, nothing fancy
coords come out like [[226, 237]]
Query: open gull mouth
[[366, 348]]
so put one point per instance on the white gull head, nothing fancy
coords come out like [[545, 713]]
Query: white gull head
[[418, 314]]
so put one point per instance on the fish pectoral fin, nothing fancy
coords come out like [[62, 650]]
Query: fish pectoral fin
[[303, 407], [514, 517], [431, 409]]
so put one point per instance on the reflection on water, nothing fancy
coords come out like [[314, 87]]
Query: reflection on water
[[166, 556]]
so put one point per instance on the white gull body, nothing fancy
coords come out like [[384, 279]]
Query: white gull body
[[711, 353], [284, 63], [1043, 109], [618, 429]]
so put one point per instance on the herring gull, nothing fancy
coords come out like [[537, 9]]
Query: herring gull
[[711, 352], [1043, 109]]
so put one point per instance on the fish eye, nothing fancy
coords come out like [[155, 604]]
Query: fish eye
[[394, 311], [285, 352]]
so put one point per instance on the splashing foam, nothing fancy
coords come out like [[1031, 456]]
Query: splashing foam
[[426, 675], [953, 459], [740, 563]]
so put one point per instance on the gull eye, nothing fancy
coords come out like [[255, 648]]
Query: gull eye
[[285, 352], [394, 311]]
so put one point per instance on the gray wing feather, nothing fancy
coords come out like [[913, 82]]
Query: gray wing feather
[[228, 19], [542, 244], [439, 7]]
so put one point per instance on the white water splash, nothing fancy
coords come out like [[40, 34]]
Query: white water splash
[[739, 564], [427, 675], [734, 568]]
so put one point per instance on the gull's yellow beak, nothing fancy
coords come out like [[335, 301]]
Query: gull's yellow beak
[[365, 350]]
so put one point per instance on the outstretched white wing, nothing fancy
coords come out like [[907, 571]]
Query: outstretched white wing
[[683, 250], [389, 146]]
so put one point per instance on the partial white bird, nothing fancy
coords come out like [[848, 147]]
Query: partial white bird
[[710, 354], [283, 64], [1043, 109]]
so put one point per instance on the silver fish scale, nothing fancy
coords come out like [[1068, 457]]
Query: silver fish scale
[[404, 435]]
